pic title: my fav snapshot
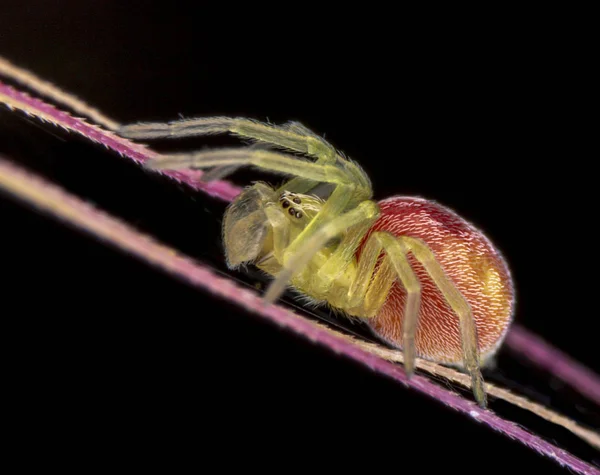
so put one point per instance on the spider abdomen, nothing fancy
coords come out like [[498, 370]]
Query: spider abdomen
[[468, 258]]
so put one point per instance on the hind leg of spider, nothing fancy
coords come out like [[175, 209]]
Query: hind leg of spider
[[459, 305], [372, 284]]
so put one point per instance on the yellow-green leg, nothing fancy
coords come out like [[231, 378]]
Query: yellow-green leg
[[218, 173], [396, 253], [326, 156], [341, 258], [372, 286], [331, 209], [366, 275], [273, 161], [347, 194], [292, 136], [268, 160], [459, 305]]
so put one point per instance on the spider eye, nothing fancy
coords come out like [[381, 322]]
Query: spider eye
[[285, 204], [295, 213], [297, 201]]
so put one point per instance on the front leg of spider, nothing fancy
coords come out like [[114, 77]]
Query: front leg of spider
[[425, 280]]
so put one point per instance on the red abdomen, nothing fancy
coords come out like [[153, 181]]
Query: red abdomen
[[469, 260]]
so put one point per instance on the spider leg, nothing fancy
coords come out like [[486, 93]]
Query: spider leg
[[302, 250], [265, 159], [372, 285], [459, 305], [340, 259], [347, 198], [302, 185], [218, 173], [292, 136], [396, 253], [349, 189]]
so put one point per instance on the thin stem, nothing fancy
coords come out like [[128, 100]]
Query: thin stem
[[54, 93], [15, 99], [519, 340], [560, 365], [51, 199]]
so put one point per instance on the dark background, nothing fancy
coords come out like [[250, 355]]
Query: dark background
[[111, 358]]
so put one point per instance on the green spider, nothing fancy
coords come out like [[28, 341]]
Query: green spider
[[425, 280]]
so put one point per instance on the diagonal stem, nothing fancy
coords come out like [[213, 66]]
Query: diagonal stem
[[51, 199]]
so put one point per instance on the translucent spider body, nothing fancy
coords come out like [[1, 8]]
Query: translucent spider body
[[426, 280]]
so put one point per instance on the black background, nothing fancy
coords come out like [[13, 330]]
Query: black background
[[111, 358]]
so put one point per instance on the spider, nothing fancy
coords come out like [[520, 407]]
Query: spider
[[426, 281]]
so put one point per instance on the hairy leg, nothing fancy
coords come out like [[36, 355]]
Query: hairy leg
[[327, 157], [331, 209], [265, 159], [292, 136], [218, 173], [340, 259], [357, 303], [459, 305], [351, 185], [274, 162], [344, 196], [396, 253], [372, 285]]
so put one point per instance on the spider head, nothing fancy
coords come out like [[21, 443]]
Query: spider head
[[300, 209], [247, 231]]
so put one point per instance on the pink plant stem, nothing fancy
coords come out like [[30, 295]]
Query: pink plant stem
[[15, 98], [558, 364], [71, 210], [519, 340]]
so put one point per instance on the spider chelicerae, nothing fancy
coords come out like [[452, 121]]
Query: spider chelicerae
[[425, 280]]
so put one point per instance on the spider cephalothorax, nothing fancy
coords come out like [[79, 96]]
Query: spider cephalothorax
[[426, 280]]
